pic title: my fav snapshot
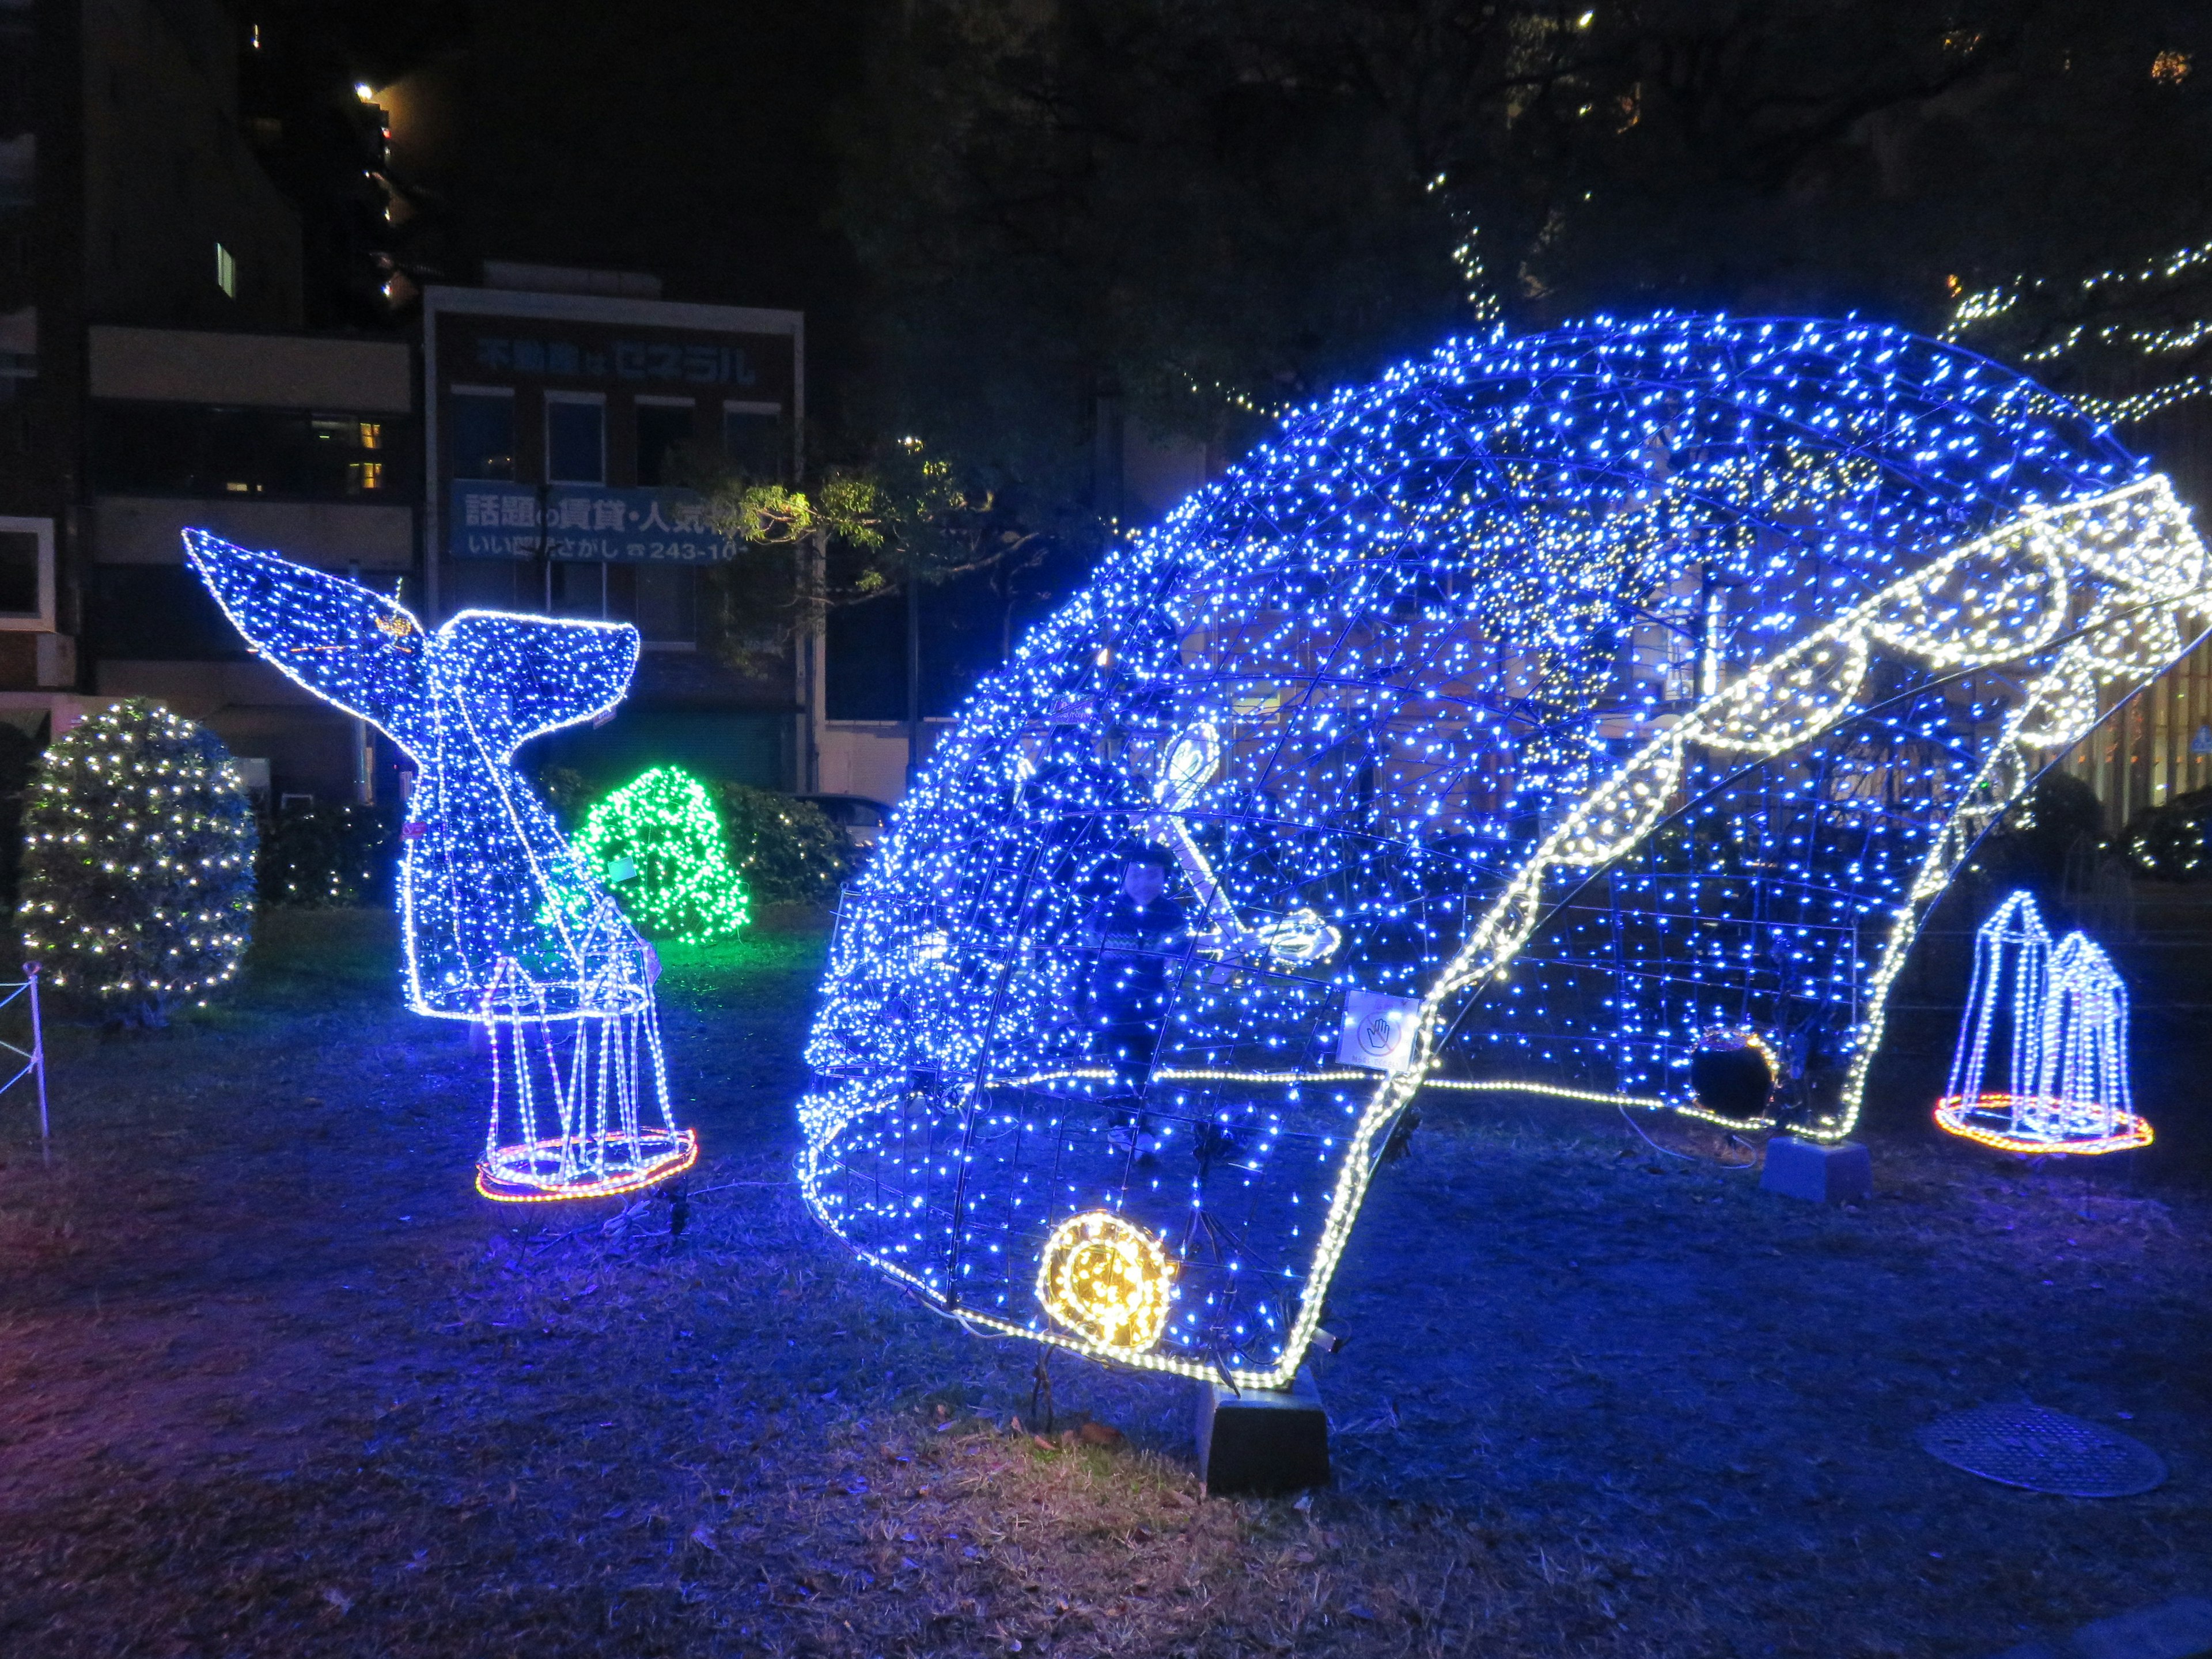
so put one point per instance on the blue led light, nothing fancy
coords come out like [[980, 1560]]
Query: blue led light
[[1507, 726]]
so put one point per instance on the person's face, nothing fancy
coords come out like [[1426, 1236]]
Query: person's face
[[1144, 882]]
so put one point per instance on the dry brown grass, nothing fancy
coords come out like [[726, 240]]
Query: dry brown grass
[[273, 1381]]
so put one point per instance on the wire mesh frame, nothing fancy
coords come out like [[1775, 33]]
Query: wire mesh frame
[[599, 1082], [33, 1059], [1568, 865], [2062, 1011]]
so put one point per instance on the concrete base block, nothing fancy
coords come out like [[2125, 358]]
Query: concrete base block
[[1813, 1169], [1264, 1440]]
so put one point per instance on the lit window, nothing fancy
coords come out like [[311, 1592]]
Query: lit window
[[226, 270], [372, 434], [367, 475], [2171, 67]]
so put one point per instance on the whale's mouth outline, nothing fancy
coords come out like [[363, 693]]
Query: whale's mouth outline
[[2113, 564]]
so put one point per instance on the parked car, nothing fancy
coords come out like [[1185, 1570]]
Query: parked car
[[861, 818]]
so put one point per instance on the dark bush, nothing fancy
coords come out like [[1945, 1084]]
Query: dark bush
[[566, 790], [2171, 842], [2031, 844], [787, 850], [317, 858], [19, 760]]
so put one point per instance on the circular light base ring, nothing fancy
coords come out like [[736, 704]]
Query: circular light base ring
[[1988, 1119], [531, 1173]]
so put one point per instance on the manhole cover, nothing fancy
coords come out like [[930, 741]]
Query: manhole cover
[[2024, 1445]]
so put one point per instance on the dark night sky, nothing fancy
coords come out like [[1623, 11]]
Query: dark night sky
[[684, 137]]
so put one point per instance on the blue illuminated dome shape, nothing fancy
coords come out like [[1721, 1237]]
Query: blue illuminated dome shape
[[503, 923], [1560, 716]]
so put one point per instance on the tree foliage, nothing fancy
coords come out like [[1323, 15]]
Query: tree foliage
[[137, 877], [789, 851], [1209, 207], [902, 521]]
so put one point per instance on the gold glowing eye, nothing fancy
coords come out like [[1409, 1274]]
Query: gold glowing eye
[[1107, 1280]]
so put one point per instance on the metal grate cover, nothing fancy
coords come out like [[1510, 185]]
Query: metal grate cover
[[2025, 1445]]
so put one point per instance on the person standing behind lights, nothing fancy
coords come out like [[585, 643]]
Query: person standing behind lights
[[1136, 932]]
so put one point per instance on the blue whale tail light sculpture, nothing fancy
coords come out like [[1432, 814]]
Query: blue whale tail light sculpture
[[502, 924], [1591, 716]]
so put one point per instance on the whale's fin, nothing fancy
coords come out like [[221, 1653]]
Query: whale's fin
[[348, 645], [521, 676]]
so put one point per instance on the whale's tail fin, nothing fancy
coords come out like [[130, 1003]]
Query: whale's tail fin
[[344, 642], [521, 676]]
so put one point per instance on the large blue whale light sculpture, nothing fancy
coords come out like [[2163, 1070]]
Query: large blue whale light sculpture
[[1591, 715], [503, 924]]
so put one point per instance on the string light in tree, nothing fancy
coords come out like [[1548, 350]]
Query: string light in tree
[[503, 923], [659, 843], [1571, 701], [137, 878], [2143, 321], [2063, 1012]]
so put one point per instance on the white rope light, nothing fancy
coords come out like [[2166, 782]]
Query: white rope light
[[503, 924], [2064, 1014], [1567, 697]]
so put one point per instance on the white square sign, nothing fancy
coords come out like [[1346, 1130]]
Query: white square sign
[[1378, 1031]]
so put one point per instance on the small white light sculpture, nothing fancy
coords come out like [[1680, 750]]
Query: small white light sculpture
[[502, 922], [2063, 1012]]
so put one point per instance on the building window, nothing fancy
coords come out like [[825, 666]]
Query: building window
[[753, 440], [575, 438], [27, 575], [170, 449], [226, 270], [667, 606], [484, 435], [663, 425]]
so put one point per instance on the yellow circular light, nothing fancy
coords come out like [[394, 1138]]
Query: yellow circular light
[[1107, 1280]]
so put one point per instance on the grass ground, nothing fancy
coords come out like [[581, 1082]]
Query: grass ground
[[274, 1381]]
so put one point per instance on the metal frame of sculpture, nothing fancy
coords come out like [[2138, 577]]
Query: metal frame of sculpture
[[1512, 726]]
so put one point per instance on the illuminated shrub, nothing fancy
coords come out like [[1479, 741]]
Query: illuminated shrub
[[137, 863], [656, 843]]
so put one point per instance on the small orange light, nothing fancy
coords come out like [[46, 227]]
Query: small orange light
[[1956, 1114]]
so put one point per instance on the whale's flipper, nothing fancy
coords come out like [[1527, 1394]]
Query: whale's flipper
[[521, 676], [346, 644]]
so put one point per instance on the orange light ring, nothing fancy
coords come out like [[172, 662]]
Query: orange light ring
[[1954, 1114], [683, 1154]]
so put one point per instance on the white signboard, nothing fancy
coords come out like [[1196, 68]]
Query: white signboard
[[1378, 1031]]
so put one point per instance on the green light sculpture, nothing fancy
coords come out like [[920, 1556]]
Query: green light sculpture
[[658, 844]]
